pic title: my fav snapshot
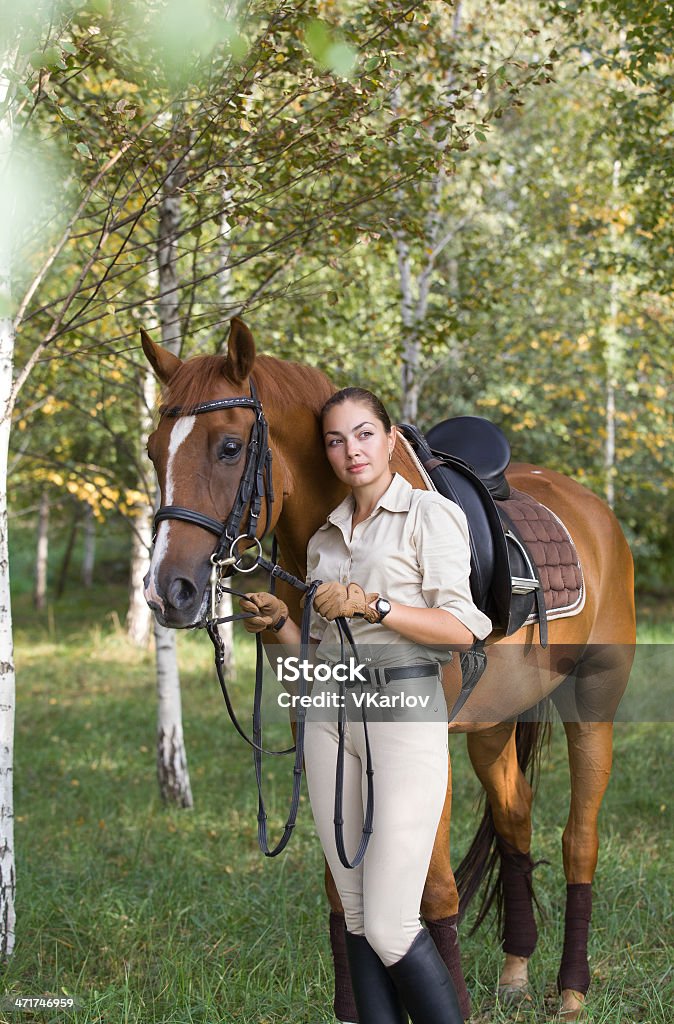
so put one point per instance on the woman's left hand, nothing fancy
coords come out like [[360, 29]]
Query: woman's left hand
[[335, 600]]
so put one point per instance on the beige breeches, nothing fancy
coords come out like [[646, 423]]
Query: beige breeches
[[382, 896]]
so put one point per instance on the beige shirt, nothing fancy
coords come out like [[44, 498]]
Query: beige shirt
[[414, 549]]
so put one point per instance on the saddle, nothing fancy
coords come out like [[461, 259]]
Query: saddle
[[466, 459]]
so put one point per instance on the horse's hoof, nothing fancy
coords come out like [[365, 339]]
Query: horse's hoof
[[572, 1006], [515, 993]]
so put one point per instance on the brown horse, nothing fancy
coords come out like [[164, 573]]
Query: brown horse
[[199, 461]]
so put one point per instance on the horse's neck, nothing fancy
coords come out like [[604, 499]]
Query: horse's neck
[[310, 488], [313, 491]]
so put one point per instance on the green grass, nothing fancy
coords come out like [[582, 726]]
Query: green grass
[[151, 914]]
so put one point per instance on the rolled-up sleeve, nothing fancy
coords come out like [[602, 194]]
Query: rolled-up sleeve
[[443, 549]]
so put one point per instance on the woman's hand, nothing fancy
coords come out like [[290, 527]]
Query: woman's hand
[[335, 600], [267, 612]]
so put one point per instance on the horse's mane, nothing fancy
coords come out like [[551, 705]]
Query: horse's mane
[[279, 382]]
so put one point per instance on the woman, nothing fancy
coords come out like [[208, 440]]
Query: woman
[[396, 561]]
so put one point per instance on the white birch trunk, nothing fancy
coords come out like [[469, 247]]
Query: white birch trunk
[[225, 608], [172, 771], [413, 311], [42, 553], [139, 616], [7, 676], [612, 357], [89, 554]]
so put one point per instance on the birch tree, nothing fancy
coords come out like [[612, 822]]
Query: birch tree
[[172, 772], [461, 87], [139, 617], [7, 676], [42, 553]]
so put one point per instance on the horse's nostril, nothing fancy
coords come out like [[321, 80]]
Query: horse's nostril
[[181, 593]]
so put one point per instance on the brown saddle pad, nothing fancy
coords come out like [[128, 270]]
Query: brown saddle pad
[[553, 551]]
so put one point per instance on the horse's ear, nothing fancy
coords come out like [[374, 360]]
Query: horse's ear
[[240, 351], [163, 362]]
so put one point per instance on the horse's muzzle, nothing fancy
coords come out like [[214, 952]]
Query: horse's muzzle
[[177, 603]]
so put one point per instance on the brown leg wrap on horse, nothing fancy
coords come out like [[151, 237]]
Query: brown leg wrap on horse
[[344, 1004], [445, 936], [519, 927], [574, 971]]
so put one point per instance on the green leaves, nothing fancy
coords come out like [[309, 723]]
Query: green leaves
[[49, 59], [185, 36], [330, 51]]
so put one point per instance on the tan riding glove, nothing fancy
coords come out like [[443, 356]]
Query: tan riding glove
[[268, 612], [335, 600]]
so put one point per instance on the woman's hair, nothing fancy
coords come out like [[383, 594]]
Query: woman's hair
[[359, 395]]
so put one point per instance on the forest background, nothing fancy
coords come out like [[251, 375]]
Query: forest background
[[469, 209], [466, 207]]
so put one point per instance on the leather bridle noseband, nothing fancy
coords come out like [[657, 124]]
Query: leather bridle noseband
[[256, 483]]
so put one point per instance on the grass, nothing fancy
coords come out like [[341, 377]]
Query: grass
[[146, 913]]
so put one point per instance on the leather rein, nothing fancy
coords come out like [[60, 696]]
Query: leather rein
[[256, 483]]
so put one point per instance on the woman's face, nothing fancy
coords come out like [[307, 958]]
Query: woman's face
[[357, 444]]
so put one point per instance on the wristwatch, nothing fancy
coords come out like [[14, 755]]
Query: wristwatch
[[383, 607]]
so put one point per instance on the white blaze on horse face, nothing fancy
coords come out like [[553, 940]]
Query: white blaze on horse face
[[180, 432]]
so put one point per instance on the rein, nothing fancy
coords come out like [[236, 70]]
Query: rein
[[255, 484]]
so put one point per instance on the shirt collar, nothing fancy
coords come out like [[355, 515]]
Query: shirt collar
[[396, 498]]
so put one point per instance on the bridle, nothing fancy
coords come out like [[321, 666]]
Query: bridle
[[255, 485], [256, 481]]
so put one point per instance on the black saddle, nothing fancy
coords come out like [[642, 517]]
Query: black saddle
[[466, 458], [479, 443]]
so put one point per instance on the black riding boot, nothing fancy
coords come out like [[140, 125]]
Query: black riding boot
[[425, 984], [376, 997]]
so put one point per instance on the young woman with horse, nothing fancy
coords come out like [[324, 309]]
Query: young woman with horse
[[411, 549], [200, 464]]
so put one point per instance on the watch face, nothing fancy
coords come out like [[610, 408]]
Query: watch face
[[383, 606]]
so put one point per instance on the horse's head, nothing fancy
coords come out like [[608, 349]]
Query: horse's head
[[199, 454]]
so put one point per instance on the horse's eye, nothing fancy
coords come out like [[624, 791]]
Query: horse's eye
[[229, 450]]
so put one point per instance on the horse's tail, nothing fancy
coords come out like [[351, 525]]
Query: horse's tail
[[482, 861]]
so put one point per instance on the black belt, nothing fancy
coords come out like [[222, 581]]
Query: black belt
[[380, 676]]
